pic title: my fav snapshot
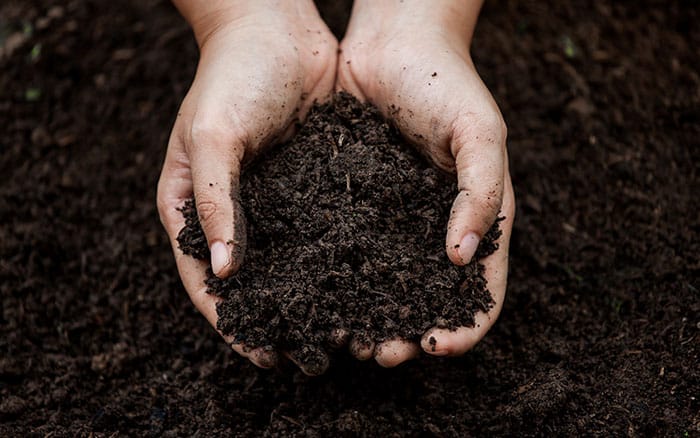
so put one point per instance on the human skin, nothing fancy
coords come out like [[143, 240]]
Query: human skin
[[411, 58], [262, 65]]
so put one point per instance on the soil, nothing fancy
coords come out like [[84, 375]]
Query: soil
[[599, 332], [346, 229]]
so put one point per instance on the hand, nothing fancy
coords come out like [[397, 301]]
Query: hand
[[411, 59], [262, 65]]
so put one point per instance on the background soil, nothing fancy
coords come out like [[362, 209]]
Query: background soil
[[601, 327]]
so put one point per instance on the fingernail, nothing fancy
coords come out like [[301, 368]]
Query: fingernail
[[467, 247], [432, 347], [220, 257]]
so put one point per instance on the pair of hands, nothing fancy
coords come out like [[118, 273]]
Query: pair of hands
[[263, 64]]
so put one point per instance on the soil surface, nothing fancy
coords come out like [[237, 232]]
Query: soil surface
[[600, 328], [346, 229]]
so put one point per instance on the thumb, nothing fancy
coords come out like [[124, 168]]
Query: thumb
[[216, 165], [479, 152]]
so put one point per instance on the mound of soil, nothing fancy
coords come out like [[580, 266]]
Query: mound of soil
[[599, 331], [346, 229]]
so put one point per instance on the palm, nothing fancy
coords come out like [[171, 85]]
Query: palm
[[251, 85], [427, 84]]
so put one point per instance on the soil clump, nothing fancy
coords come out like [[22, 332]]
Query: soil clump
[[346, 228]]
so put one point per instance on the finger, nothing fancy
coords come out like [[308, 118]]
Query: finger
[[216, 162], [396, 351], [478, 147], [444, 342], [174, 188], [263, 357], [193, 275], [338, 338], [361, 346], [311, 360]]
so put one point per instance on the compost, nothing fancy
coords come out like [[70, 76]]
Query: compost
[[346, 227], [598, 334]]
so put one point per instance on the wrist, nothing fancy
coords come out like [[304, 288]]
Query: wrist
[[455, 18], [206, 17]]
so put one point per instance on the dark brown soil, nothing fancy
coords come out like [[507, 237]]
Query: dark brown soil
[[346, 229], [599, 332]]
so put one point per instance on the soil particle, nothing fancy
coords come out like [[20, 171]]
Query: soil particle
[[346, 228], [433, 342]]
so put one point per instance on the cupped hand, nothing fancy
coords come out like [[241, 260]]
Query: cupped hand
[[261, 68], [411, 59]]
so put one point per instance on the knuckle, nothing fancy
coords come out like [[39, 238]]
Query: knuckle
[[484, 208], [206, 210], [490, 209], [489, 202], [442, 158], [483, 127], [208, 131], [492, 122]]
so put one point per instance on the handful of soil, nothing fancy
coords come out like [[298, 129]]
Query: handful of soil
[[346, 228]]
